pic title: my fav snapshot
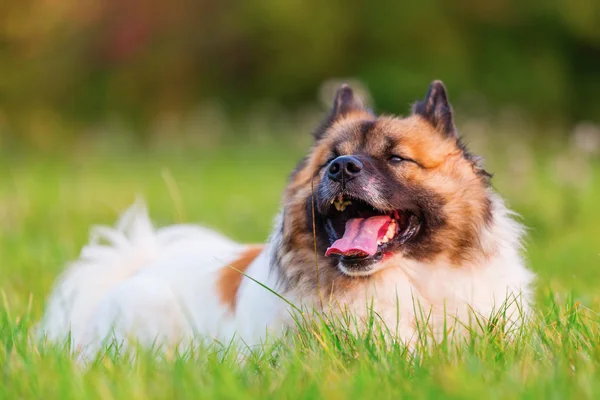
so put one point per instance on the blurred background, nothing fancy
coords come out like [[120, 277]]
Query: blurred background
[[69, 66], [204, 107]]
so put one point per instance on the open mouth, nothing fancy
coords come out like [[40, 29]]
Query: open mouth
[[361, 234]]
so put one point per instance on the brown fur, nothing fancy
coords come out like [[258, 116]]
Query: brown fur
[[231, 276], [442, 178]]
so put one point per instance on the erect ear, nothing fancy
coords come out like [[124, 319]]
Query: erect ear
[[345, 102], [436, 109]]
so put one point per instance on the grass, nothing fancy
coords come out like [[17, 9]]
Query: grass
[[48, 203]]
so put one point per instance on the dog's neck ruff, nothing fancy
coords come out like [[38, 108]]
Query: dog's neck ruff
[[494, 276]]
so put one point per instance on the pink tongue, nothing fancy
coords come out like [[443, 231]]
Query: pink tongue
[[360, 236]]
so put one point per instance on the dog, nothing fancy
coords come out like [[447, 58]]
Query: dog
[[386, 215]]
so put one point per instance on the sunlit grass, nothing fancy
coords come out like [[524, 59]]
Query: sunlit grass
[[556, 355], [47, 205]]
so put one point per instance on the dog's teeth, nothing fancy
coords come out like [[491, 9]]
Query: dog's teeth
[[391, 231], [340, 204]]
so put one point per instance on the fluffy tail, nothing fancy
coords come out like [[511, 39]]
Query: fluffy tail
[[112, 255]]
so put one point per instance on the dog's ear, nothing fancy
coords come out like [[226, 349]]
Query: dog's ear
[[345, 102], [436, 109]]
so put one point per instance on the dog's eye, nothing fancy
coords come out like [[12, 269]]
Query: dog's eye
[[394, 159]]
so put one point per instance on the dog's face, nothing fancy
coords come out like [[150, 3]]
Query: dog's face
[[378, 190]]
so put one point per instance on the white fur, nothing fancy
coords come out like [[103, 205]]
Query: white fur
[[407, 293], [159, 286]]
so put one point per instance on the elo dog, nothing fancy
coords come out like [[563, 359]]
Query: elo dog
[[385, 215]]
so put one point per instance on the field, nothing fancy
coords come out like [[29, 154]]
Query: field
[[47, 204]]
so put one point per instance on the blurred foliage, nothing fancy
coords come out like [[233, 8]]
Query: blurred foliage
[[82, 61]]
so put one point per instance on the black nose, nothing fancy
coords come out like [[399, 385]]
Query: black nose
[[344, 168]]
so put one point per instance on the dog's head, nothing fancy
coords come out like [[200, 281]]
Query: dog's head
[[378, 190]]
